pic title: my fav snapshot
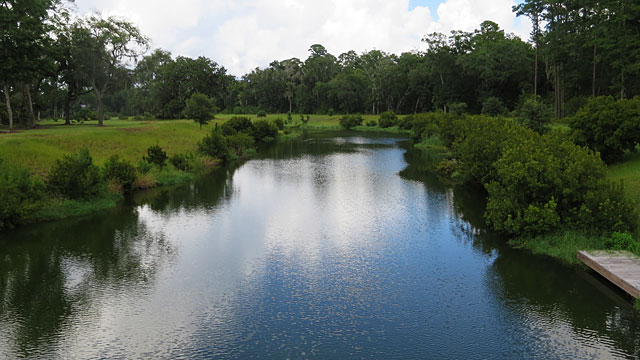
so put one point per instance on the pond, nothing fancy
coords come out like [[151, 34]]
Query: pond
[[332, 245]]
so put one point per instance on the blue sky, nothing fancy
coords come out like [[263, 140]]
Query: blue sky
[[244, 34]]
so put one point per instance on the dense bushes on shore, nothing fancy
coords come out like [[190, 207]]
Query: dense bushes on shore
[[536, 184]]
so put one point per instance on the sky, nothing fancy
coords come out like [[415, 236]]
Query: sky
[[244, 34]]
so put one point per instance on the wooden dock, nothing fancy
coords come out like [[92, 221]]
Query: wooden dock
[[620, 267]]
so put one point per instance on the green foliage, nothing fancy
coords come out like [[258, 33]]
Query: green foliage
[[182, 162], [144, 167], [622, 241], [85, 114], [261, 114], [424, 126], [239, 143], [289, 117], [264, 131], [214, 145], [607, 126], [279, 123], [19, 193], [387, 119], [121, 171], [458, 108], [349, 121], [156, 156], [238, 124], [371, 123], [493, 106], [199, 108], [75, 177], [448, 166], [331, 112], [534, 114], [544, 182]]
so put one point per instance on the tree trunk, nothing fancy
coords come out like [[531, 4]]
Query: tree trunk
[[7, 97], [593, 75], [32, 118], [535, 74], [415, 110], [67, 109], [100, 106]]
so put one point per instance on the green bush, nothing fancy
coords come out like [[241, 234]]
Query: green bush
[[75, 177], [387, 119], [279, 123], [261, 114], [545, 182], [493, 106], [405, 122], [607, 126], [622, 241], [534, 114], [458, 108], [85, 114], [144, 167], [214, 145], [121, 171], [156, 156], [19, 194], [349, 121], [182, 162], [239, 143], [424, 126], [238, 124], [371, 123], [264, 131]]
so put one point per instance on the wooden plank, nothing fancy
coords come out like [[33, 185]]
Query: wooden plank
[[620, 267]]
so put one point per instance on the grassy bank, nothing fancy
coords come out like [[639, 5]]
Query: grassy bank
[[37, 150]]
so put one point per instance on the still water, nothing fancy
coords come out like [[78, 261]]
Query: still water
[[333, 245]]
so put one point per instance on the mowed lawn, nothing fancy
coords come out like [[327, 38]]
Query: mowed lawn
[[38, 149]]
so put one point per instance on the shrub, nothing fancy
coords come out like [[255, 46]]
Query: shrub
[[458, 108], [289, 117], [405, 122], [349, 121], [214, 145], [240, 142], [144, 167], [424, 126], [19, 193], [121, 171], [261, 114], [156, 156], [75, 176], [264, 131], [493, 106], [534, 114], [331, 112], [543, 182], [371, 123], [238, 124], [608, 126], [622, 241], [123, 117], [85, 114], [182, 162], [279, 123], [387, 119]]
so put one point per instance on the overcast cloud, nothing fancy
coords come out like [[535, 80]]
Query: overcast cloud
[[244, 34]]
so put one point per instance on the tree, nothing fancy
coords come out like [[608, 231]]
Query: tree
[[534, 114], [108, 44], [199, 108], [607, 126], [24, 43]]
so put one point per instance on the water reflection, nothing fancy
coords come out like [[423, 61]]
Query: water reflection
[[324, 247]]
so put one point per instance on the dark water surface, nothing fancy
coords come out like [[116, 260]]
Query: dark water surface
[[327, 247]]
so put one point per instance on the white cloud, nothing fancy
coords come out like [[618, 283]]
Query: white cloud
[[244, 34]]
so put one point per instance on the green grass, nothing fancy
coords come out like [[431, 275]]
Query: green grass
[[628, 171], [38, 149], [54, 208], [563, 245]]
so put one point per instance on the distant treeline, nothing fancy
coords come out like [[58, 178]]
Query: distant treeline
[[55, 64]]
